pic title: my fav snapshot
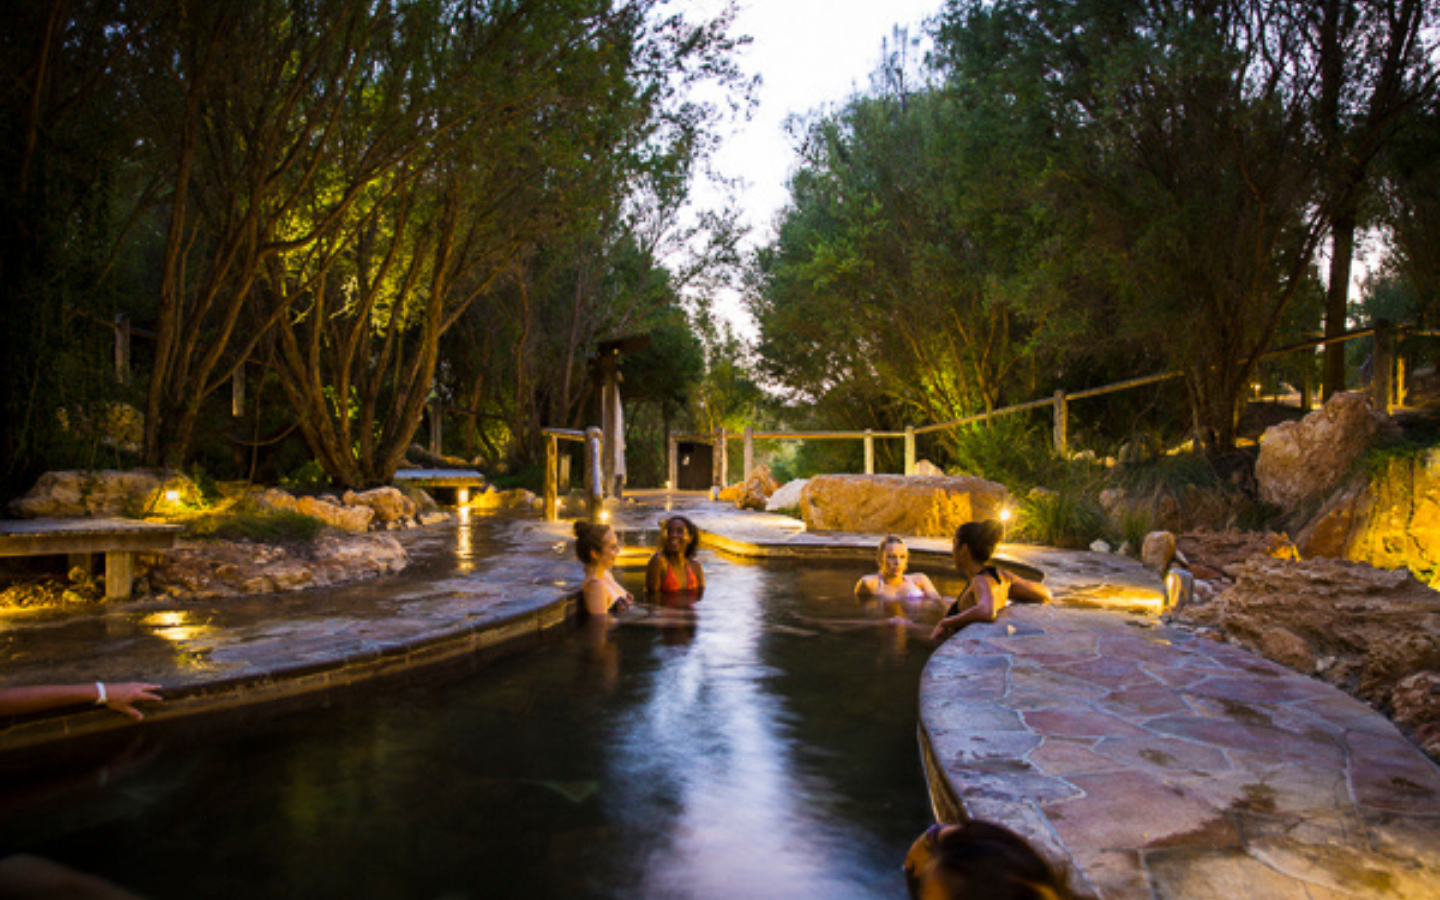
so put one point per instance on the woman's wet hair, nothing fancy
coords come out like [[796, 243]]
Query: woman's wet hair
[[980, 538], [589, 539], [985, 861], [692, 541], [889, 540]]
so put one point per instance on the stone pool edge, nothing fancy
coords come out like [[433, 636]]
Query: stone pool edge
[[383, 659]]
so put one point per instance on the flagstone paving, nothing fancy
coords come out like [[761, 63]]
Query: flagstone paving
[[1159, 764], [1152, 762]]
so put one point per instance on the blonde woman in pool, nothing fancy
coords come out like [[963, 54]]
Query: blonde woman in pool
[[891, 583]]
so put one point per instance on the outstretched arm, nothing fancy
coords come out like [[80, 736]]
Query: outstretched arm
[[1030, 591], [120, 696]]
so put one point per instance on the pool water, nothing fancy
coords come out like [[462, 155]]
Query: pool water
[[760, 744]]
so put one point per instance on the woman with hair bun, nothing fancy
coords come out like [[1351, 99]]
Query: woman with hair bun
[[990, 589], [597, 547]]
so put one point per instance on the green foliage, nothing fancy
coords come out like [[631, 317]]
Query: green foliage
[[1068, 517], [310, 476], [245, 523]]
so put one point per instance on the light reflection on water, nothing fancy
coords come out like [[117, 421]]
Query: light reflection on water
[[739, 749]]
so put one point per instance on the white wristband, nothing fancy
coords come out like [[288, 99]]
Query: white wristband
[[100, 689]]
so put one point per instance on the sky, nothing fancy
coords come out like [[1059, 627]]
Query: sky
[[808, 54]]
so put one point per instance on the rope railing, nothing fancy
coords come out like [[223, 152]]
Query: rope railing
[[1386, 385]]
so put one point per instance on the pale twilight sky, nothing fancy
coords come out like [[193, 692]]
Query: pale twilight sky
[[809, 53]]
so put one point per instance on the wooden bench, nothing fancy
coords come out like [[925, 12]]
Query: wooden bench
[[80, 539]]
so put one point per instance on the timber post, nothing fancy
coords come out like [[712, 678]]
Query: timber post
[[909, 449], [594, 473], [1062, 425], [869, 451], [749, 451], [721, 468], [672, 462], [551, 478], [1384, 366]]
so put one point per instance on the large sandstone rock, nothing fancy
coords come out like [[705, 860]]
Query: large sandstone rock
[[927, 468], [97, 494], [388, 503], [1363, 629], [200, 569], [1302, 462], [514, 498], [757, 489], [1388, 517], [882, 504], [348, 518], [788, 496]]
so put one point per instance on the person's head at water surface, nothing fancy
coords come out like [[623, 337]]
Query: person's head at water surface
[[979, 861], [978, 539], [892, 557], [679, 537], [592, 540]]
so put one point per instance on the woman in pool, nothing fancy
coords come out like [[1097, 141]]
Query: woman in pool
[[891, 582], [979, 861], [673, 568], [597, 547], [990, 589]]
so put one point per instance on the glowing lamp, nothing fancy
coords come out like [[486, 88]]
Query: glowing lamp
[[463, 496], [172, 496], [1005, 514]]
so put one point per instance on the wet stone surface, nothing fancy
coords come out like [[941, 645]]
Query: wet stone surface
[[1160, 765]]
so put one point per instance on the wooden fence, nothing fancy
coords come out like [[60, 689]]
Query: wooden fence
[[1387, 388]]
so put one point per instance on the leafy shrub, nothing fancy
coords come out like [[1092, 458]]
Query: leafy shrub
[[1069, 517], [310, 476], [244, 523]]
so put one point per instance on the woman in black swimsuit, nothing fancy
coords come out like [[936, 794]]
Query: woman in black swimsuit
[[990, 589]]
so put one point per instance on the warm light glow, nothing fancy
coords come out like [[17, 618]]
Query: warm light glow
[[1005, 514], [176, 626], [667, 485], [172, 495], [463, 496], [604, 516]]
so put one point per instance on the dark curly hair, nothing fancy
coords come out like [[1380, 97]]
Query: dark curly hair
[[985, 861], [692, 543]]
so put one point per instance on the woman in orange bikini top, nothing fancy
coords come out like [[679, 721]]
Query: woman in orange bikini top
[[674, 568]]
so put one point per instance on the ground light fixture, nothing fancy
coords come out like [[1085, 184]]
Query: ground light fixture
[[172, 496]]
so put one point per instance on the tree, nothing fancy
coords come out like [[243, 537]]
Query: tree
[[1376, 63]]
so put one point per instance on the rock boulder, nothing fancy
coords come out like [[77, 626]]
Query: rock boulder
[[1303, 462], [200, 569], [1388, 517], [757, 489], [95, 494], [387, 502], [1363, 629], [788, 496], [348, 518], [913, 505]]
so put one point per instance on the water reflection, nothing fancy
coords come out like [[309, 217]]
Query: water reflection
[[464, 542], [177, 626]]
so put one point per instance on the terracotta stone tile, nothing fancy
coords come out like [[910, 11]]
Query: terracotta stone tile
[[1112, 875], [1162, 755], [1387, 773], [1010, 780], [1194, 873], [1057, 683], [1080, 722], [971, 715], [1132, 810], [1263, 690], [1144, 701], [1063, 756], [1111, 674], [1239, 735], [958, 750], [1347, 871]]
